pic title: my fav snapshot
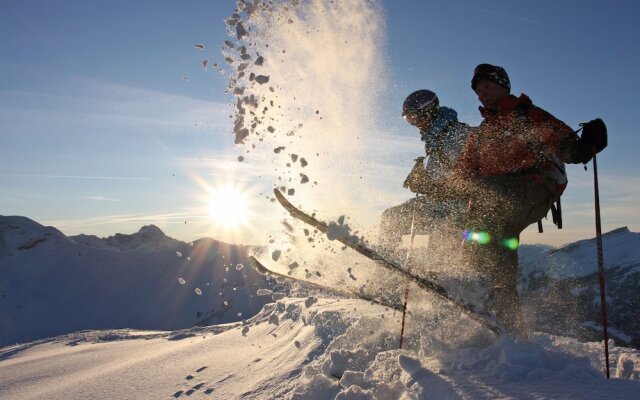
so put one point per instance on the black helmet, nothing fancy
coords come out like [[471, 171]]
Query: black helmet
[[493, 73], [422, 100]]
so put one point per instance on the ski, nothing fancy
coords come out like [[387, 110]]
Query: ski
[[354, 243], [353, 294]]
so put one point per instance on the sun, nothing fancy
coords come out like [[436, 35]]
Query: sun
[[228, 207]]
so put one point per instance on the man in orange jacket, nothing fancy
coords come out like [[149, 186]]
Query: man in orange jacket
[[514, 162]]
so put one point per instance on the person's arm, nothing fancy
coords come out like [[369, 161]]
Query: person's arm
[[561, 140], [451, 187], [417, 180]]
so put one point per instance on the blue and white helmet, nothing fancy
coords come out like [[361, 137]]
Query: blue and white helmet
[[420, 101]]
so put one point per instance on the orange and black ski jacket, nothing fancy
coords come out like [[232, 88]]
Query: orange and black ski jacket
[[517, 138]]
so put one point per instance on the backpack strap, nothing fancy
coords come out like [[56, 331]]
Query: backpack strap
[[556, 213]]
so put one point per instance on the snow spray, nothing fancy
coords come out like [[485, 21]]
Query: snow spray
[[306, 78]]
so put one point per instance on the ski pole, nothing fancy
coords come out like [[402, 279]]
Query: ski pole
[[407, 260], [603, 302]]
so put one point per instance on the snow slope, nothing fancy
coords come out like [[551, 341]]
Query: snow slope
[[317, 347], [302, 348]]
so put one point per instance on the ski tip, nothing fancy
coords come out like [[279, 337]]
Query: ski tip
[[279, 195], [282, 199]]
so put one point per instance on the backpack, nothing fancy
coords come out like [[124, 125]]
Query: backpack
[[555, 170]]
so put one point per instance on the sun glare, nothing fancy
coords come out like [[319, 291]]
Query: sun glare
[[229, 207]]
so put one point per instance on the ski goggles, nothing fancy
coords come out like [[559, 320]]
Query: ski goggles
[[412, 115], [427, 107]]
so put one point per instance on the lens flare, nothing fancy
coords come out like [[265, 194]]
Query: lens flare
[[480, 237], [511, 243]]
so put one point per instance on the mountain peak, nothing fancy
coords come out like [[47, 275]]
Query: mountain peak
[[149, 237], [22, 233], [14, 222], [617, 234], [151, 231], [624, 229]]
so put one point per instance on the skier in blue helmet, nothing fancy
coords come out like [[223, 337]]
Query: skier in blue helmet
[[444, 138]]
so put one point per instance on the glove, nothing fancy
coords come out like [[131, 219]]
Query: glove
[[593, 139], [417, 178]]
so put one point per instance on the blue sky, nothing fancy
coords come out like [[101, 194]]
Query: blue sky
[[108, 121]]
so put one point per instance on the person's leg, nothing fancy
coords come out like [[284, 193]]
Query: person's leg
[[506, 206], [395, 222], [530, 205], [505, 300]]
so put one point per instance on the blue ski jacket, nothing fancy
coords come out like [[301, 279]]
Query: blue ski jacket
[[443, 142]]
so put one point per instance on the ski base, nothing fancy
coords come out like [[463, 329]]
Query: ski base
[[353, 294], [424, 283]]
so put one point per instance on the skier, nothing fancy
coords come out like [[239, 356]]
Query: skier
[[513, 169], [444, 137]]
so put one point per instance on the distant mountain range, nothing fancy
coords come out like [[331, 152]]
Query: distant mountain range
[[52, 284], [560, 287]]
